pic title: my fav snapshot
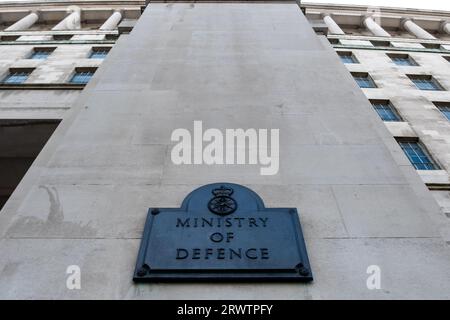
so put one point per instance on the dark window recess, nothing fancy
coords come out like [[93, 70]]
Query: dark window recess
[[435, 46], [363, 80], [41, 53], [347, 57], [376, 43], [62, 37], [334, 41], [444, 108], [20, 143], [9, 38], [417, 155], [425, 82], [402, 59], [99, 52], [111, 37], [82, 75], [17, 75], [385, 110]]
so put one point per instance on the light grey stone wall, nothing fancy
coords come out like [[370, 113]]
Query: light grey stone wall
[[85, 199]]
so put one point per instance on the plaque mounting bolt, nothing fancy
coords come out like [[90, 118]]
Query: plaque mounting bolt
[[143, 271], [155, 211], [302, 270]]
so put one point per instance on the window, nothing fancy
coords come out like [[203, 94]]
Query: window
[[385, 110], [62, 37], [347, 57], [9, 38], [425, 82], [402, 59], [111, 36], [99, 52], [82, 75], [381, 43], [443, 107], [363, 80], [334, 41], [417, 155], [41, 53], [17, 76], [432, 45]]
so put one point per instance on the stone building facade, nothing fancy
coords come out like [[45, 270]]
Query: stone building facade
[[49, 44], [107, 82], [394, 47]]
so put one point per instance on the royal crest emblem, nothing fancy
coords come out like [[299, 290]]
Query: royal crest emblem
[[222, 203]]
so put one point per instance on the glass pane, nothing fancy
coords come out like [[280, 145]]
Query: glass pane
[[401, 61], [347, 59], [445, 111], [424, 84], [417, 156], [98, 54], [364, 82], [81, 77], [16, 77], [386, 112], [40, 55]]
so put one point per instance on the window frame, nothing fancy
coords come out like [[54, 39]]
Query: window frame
[[395, 117], [37, 50], [430, 80], [443, 105], [430, 165], [404, 57], [348, 54], [12, 72], [95, 50], [81, 70], [366, 75]]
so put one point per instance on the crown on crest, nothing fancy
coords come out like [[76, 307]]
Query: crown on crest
[[222, 192]]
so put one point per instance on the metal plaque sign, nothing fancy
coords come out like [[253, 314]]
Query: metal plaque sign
[[222, 232]]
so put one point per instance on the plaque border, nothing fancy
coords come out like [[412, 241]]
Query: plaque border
[[300, 272]]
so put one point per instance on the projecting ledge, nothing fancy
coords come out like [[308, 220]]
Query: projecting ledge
[[42, 86], [434, 177]]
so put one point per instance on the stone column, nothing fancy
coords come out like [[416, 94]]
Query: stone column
[[112, 21], [72, 21], [24, 23], [333, 27], [445, 27], [416, 30], [374, 27]]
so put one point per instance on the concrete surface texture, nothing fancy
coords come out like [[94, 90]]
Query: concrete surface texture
[[85, 199]]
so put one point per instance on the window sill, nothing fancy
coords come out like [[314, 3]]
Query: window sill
[[434, 177]]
